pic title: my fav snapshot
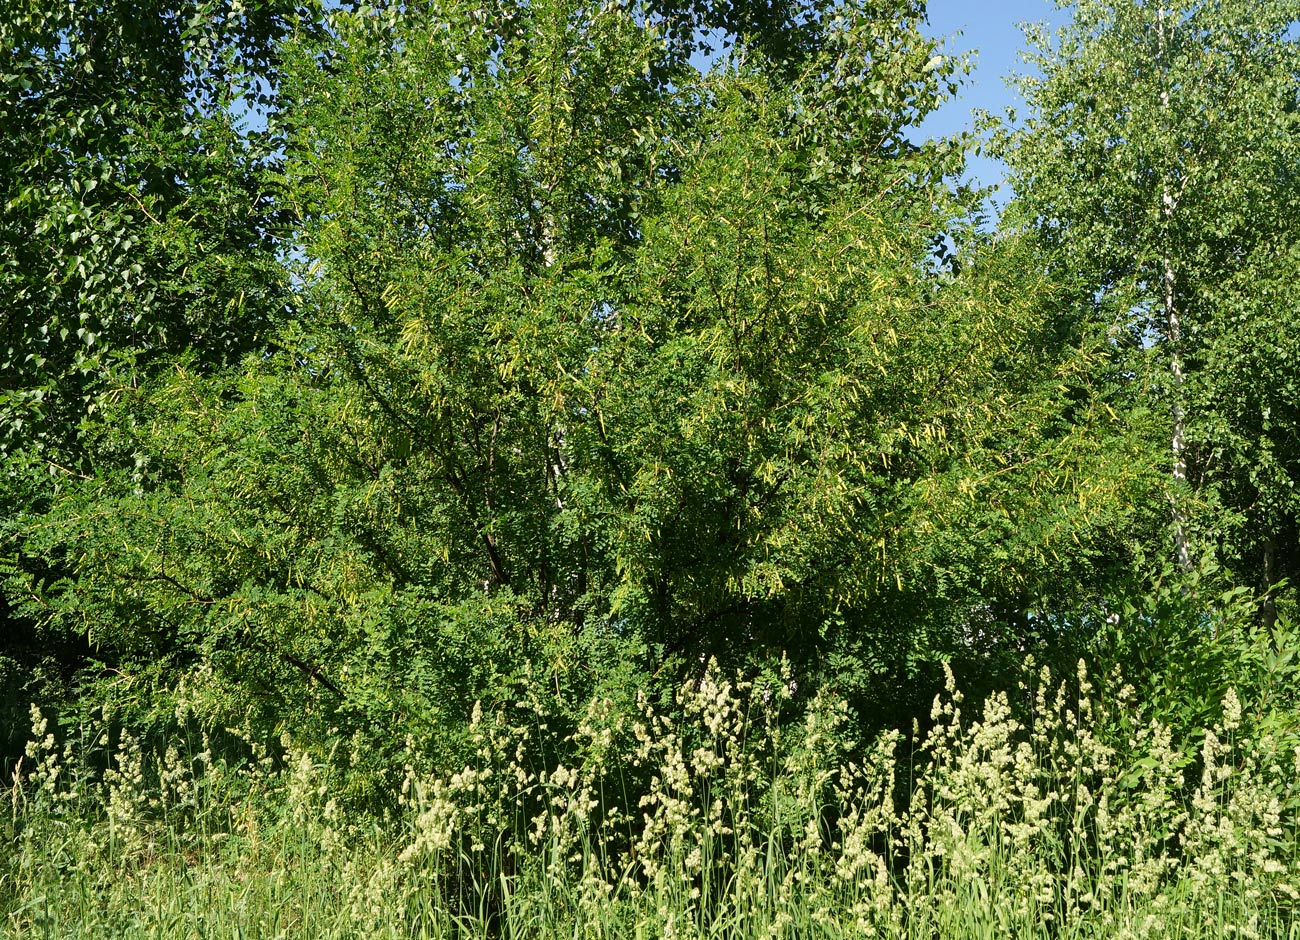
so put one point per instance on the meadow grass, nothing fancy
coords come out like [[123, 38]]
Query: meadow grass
[[1063, 817]]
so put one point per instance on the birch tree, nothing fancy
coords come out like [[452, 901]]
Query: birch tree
[[1158, 158]]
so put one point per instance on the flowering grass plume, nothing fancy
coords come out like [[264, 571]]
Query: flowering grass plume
[[1053, 812]]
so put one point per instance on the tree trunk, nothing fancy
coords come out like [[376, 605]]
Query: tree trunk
[[1267, 603], [1173, 334]]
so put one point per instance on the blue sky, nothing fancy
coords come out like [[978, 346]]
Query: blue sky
[[991, 28]]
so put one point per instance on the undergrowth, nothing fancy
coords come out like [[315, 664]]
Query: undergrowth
[[1055, 812]]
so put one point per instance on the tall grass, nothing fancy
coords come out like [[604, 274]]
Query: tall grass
[[709, 819]]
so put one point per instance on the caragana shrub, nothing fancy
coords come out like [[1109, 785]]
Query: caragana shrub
[[1068, 815]]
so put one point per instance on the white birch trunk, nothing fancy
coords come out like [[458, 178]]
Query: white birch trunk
[[1173, 336]]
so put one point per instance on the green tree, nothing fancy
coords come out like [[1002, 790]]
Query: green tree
[[1158, 161], [598, 364], [674, 351], [137, 217], [138, 222]]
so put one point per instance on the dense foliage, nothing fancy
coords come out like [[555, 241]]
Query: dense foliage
[[1160, 166], [362, 366]]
